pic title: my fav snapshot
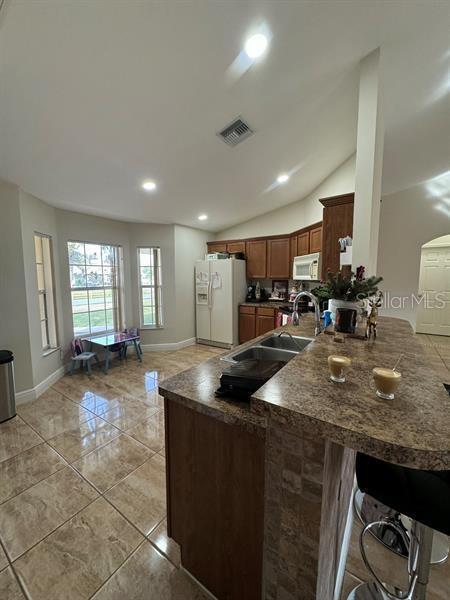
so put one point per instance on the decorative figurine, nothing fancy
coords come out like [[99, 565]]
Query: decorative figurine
[[371, 326]]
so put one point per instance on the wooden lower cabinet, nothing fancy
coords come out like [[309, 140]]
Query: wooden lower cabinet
[[255, 321], [247, 324], [265, 320], [215, 498]]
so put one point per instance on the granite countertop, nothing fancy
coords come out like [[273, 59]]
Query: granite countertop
[[412, 430], [267, 303]]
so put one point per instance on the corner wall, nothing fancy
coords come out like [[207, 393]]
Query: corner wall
[[409, 219], [14, 333]]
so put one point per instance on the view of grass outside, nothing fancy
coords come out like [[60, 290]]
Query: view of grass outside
[[93, 273]]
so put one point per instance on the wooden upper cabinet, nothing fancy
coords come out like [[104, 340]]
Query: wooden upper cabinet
[[337, 223], [303, 243], [315, 240], [216, 247], [278, 255], [292, 253], [256, 254], [236, 247]]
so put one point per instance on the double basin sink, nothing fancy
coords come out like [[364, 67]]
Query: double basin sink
[[278, 347]]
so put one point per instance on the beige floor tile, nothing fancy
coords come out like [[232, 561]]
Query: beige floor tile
[[78, 387], [107, 465], [26, 469], [15, 437], [76, 559], [29, 517], [100, 403], [141, 496], [165, 544], [3, 560], [9, 588], [350, 582], [76, 442], [51, 415], [128, 413], [150, 432], [147, 575]]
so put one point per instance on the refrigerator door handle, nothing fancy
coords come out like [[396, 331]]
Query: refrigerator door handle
[[210, 294]]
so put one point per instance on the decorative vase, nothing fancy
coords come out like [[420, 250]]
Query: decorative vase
[[334, 304]]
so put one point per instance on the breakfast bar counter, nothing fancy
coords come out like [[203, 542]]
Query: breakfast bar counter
[[308, 430]]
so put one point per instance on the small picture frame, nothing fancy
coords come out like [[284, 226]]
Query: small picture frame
[[280, 288]]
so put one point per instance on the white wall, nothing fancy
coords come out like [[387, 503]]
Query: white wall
[[299, 214], [37, 216], [14, 332], [190, 245], [409, 219]]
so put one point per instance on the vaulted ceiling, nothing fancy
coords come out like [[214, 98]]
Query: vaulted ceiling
[[97, 96]]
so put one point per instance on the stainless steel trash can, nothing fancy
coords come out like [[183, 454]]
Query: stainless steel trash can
[[7, 388]]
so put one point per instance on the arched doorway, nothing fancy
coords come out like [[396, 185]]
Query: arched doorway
[[433, 314]]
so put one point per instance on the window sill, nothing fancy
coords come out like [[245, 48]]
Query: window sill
[[51, 351], [145, 327]]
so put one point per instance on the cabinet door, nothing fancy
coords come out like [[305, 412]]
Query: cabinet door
[[264, 324], [215, 483], [315, 240], [247, 330], [278, 253], [256, 259], [236, 247], [303, 243], [217, 247]]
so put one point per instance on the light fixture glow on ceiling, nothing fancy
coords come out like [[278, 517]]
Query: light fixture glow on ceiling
[[256, 45], [149, 186], [282, 178], [202, 217]]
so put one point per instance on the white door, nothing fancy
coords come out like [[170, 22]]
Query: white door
[[202, 300], [221, 301], [433, 315]]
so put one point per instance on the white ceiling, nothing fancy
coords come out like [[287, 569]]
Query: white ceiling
[[97, 96]]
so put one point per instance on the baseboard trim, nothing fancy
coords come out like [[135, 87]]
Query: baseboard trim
[[33, 393], [169, 346]]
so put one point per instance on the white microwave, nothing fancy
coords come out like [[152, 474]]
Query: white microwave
[[307, 267]]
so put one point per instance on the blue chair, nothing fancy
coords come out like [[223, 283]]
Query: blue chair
[[80, 356]]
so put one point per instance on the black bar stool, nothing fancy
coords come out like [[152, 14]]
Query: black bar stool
[[424, 497]]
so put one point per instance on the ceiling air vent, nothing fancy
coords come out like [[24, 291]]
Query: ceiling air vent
[[236, 132]]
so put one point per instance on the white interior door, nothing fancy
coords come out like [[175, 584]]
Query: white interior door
[[433, 315], [221, 301]]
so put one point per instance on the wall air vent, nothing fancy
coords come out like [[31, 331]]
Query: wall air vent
[[236, 132]]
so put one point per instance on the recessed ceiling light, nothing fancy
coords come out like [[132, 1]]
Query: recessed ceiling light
[[149, 186], [256, 45], [202, 217], [282, 178]]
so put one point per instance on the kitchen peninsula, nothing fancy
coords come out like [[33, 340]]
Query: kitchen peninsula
[[259, 493]]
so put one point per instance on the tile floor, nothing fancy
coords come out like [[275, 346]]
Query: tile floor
[[82, 490]]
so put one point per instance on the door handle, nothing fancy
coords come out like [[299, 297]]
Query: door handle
[[210, 295]]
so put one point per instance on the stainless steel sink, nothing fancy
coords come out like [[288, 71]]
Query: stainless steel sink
[[294, 343], [263, 353]]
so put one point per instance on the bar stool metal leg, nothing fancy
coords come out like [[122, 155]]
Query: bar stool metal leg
[[368, 510]]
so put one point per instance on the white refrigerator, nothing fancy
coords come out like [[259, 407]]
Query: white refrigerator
[[220, 286]]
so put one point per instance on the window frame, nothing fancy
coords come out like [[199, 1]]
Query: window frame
[[47, 293], [117, 290], [157, 287]]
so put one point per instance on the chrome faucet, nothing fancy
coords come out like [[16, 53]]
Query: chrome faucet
[[295, 315]]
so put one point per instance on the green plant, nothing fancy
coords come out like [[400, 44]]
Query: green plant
[[346, 287]]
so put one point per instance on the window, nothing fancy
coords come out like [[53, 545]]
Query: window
[[95, 284], [46, 294], [150, 288]]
